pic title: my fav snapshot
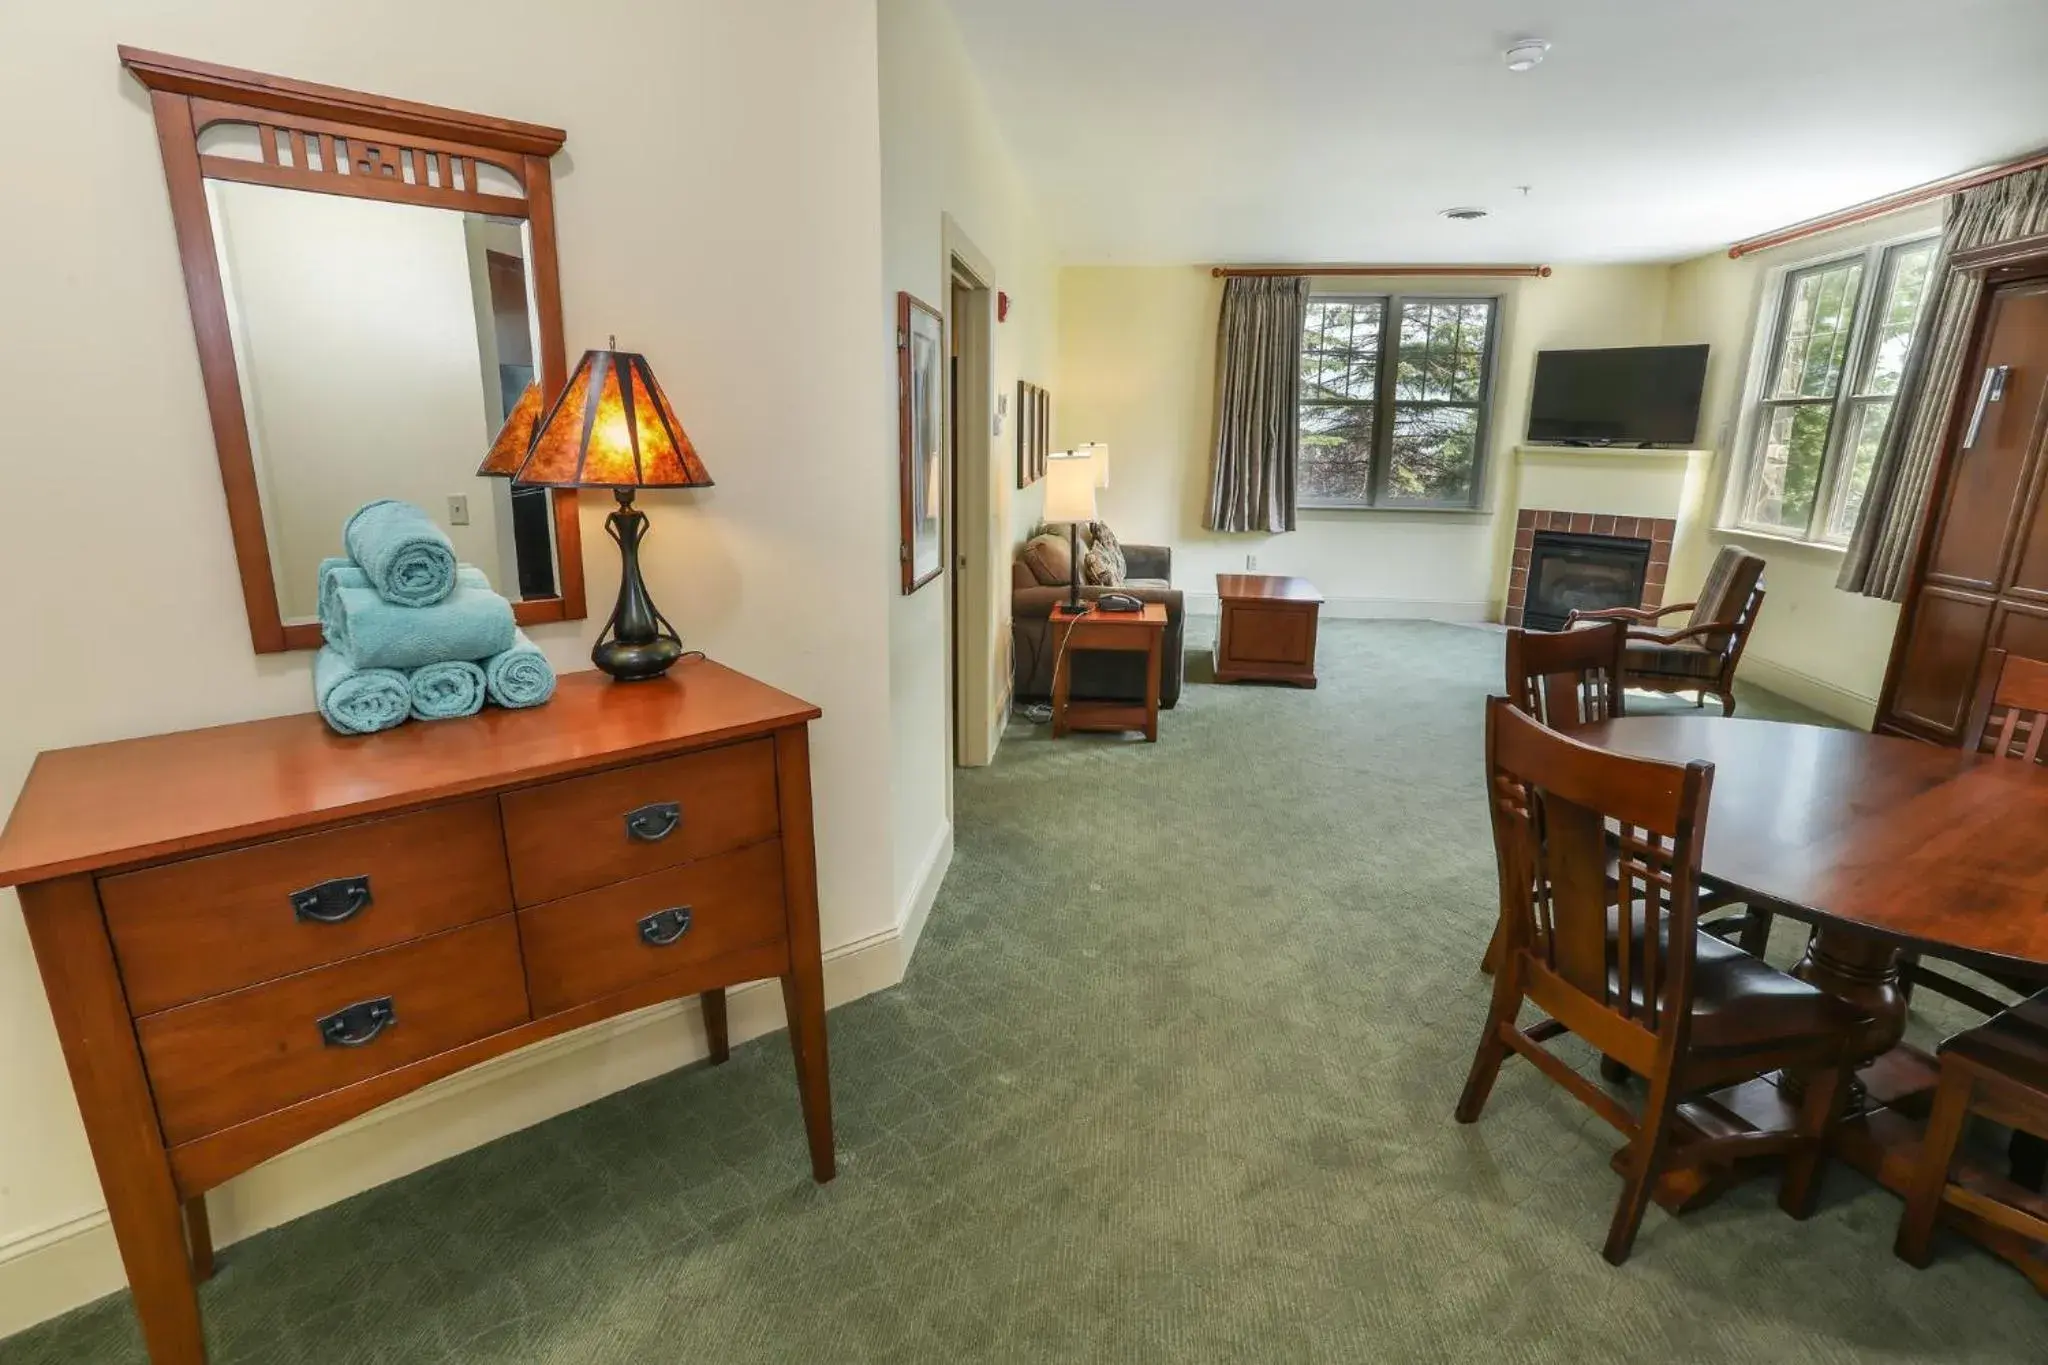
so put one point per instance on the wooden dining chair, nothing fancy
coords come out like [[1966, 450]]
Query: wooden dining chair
[[1568, 678], [1683, 1010], [2008, 719], [1998, 1069]]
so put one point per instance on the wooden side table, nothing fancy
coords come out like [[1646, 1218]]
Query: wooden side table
[[1268, 630], [1136, 632]]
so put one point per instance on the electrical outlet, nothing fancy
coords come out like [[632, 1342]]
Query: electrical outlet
[[458, 511], [1251, 562]]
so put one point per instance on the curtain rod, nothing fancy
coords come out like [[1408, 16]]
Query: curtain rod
[[1533, 272], [1890, 203]]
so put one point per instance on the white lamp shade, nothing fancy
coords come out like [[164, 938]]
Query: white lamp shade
[[1070, 486], [1100, 454]]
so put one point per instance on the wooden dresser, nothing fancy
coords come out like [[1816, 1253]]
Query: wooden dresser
[[252, 933]]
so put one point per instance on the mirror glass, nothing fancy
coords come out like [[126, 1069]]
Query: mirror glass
[[379, 347]]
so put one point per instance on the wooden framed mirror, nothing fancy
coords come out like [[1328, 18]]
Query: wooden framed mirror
[[373, 283]]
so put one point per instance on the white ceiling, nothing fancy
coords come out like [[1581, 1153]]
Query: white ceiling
[[1172, 131]]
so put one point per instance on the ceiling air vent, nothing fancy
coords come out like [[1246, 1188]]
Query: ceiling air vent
[[1464, 215]]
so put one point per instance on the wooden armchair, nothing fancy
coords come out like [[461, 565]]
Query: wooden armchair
[[1685, 1011], [1702, 655]]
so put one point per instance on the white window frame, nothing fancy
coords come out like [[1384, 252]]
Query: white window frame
[[1765, 350], [1384, 404]]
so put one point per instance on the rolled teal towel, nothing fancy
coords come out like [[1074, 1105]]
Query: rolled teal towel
[[337, 573], [470, 623], [359, 701], [519, 676], [444, 691], [408, 558]]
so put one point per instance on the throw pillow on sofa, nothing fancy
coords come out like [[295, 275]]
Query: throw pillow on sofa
[[1098, 570], [1100, 537], [1047, 558]]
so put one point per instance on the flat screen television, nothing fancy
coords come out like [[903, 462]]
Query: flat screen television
[[1635, 395]]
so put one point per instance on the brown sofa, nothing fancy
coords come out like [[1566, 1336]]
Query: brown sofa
[[1114, 677]]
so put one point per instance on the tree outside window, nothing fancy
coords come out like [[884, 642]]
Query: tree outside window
[[1405, 434]]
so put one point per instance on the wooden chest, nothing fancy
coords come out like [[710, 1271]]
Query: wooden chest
[[253, 933]]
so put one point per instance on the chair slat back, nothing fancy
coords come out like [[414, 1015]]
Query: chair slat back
[[1726, 594], [1560, 807], [2010, 715], [1567, 679]]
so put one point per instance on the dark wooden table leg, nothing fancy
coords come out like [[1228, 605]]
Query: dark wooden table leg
[[1864, 970], [98, 1038], [199, 1237], [803, 986], [1152, 657], [713, 1002]]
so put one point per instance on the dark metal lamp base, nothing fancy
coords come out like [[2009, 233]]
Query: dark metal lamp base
[[637, 644]]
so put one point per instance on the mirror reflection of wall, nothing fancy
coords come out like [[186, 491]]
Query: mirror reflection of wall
[[379, 346]]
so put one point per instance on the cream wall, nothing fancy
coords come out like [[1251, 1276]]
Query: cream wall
[[1812, 643], [944, 160], [1137, 370], [335, 299], [718, 198]]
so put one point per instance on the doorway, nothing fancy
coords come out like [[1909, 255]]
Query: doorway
[[971, 617]]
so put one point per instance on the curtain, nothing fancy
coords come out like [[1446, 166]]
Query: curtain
[[1258, 378], [1880, 553]]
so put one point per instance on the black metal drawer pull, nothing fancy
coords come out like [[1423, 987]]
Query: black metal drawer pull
[[332, 902], [359, 1024], [654, 822], [664, 927]]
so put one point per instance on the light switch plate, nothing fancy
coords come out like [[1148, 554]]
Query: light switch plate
[[458, 511]]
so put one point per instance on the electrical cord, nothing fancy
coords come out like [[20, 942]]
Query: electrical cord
[[1040, 713]]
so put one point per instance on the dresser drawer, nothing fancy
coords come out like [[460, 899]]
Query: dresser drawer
[[221, 1061], [589, 946], [192, 929], [591, 831]]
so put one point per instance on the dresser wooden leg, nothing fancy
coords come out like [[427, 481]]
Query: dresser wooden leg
[[714, 1024], [199, 1237], [98, 1038], [803, 998]]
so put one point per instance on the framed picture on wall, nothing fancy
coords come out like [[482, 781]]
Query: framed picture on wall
[[1034, 432], [921, 426]]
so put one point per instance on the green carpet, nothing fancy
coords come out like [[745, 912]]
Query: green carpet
[[1171, 1080]]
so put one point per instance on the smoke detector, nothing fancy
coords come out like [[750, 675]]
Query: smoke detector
[[1525, 54], [1464, 214]]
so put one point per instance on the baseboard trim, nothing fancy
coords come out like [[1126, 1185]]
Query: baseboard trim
[[931, 875], [1371, 608], [1830, 699], [51, 1269]]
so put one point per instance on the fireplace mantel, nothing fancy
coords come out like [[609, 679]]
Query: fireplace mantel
[[1656, 493]]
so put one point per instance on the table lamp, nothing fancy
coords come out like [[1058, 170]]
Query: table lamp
[[612, 427], [515, 439], [1099, 452], [1070, 497]]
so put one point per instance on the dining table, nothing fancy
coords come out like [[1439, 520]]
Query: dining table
[[1887, 847]]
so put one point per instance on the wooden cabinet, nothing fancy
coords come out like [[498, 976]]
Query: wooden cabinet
[[253, 933], [1981, 577]]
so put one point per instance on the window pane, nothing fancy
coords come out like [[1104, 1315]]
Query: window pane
[[1905, 291], [1336, 453], [1787, 475], [1433, 452], [1442, 355], [1869, 421], [1820, 307], [1340, 346]]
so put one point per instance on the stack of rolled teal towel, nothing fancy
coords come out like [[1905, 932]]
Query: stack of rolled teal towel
[[412, 633]]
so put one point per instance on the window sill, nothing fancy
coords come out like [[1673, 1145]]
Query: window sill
[[1355, 510], [1790, 542]]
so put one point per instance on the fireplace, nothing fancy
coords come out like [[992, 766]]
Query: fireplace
[[1567, 561], [1569, 573]]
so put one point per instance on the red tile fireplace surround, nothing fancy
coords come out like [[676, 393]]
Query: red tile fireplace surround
[[1656, 530]]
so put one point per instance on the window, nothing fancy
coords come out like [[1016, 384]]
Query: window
[[1838, 336], [1408, 434]]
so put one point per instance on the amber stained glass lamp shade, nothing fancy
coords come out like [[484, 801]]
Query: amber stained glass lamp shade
[[613, 428], [515, 438]]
